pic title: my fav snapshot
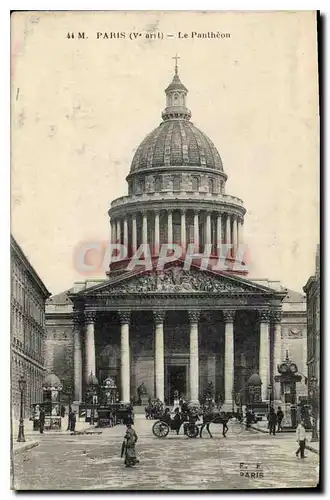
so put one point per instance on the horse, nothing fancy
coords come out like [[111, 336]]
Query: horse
[[217, 417]]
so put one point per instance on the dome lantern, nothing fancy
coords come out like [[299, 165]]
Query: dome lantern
[[176, 94]]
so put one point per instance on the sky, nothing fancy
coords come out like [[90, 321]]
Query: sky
[[81, 107]]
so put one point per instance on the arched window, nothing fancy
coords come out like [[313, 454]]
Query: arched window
[[211, 185], [177, 183], [176, 99], [158, 183], [195, 183], [140, 186]]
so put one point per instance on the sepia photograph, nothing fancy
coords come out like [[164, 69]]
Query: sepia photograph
[[165, 250]]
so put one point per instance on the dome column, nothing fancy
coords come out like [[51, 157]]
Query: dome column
[[113, 232], [157, 234], [89, 344], [235, 236], [196, 230], [134, 234], [277, 358], [169, 227], [125, 242], [118, 237], [208, 239], [183, 230], [228, 235], [219, 235], [240, 229], [144, 228]]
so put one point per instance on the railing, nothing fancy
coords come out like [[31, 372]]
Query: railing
[[172, 196]]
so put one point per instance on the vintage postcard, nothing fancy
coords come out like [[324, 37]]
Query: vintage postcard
[[165, 258]]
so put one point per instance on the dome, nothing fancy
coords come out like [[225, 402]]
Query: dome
[[52, 381], [176, 142]]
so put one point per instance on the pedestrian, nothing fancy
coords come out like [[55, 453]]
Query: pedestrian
[[128, 447], [301, 439], [272, 419], [41, 420], [248, 418], [72, 419], [69, 418], [177, 421], [279, 416], [62, 411], [225, 426]]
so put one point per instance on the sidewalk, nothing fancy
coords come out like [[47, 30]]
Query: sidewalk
[[314, 447], [32, 438]]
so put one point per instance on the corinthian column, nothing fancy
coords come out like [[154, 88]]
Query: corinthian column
[[118, 231], [229, 317], [194, 360], [134, 235], [159, 354], [113, 232], [208, 229], [145, 228], [264, 319], [228, 236], [234, 236], [77, 360], [157, 236], [126, 234], [124, 317], [169, 227], [89, 344], [183, 230], [196, 230], [219, 235], [277, 353]]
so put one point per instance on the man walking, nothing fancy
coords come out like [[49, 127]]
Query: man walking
[[272, 419], [41, 420], [301, 439], [280, 416]]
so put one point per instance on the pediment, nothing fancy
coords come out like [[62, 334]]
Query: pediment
[[175, 279]]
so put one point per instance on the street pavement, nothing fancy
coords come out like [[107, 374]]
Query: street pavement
[[244, 460]]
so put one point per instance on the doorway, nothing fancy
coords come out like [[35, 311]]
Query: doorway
[[176, 380]]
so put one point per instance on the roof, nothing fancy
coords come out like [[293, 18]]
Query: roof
[[14, 246], [176, 142]]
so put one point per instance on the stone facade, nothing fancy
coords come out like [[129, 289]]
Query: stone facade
[[312, 289], [175, 327], [28, 296]]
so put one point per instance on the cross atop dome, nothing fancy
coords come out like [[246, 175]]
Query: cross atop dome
[[176, 57]]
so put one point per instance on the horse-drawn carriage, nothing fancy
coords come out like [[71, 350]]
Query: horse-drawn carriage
[[193, 422]]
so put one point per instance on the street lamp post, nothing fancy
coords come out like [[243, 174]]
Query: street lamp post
[[21, 385], [313, 381]]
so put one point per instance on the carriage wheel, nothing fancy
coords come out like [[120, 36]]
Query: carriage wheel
[[160, 429], [192, 430]]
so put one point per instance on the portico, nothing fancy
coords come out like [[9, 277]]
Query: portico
[[151, 321]]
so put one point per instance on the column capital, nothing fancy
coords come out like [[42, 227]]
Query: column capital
[[276, 316], [183, 211], [194, 316], [229, 315], [144, 212], [124, 317], [90, 317], [169, 211], [77, 320], [264, 316], [159, 316], [157, 212], [196, 211]]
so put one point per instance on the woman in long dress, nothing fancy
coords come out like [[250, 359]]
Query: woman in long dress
[[129, 447]]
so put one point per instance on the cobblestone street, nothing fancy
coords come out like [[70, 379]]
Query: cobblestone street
[[176, 462]]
